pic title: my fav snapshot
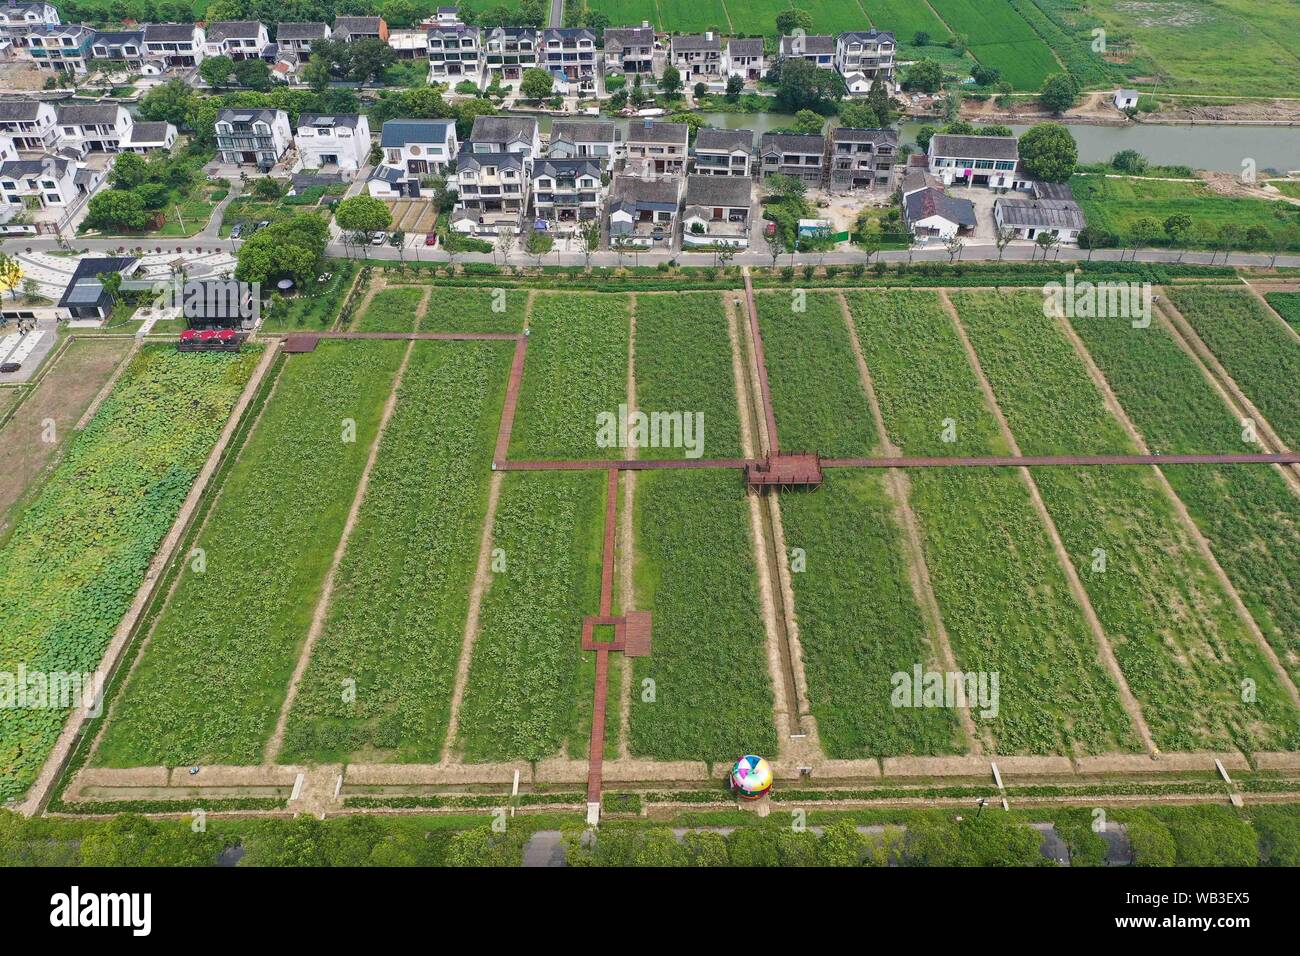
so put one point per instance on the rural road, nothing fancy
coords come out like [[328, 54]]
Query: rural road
[[557, 13]]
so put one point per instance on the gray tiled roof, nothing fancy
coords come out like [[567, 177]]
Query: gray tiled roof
[[234, 29], [794, 143], [631, 192], [593, 131], [933, 202], [974, 147], [745, 46], [848, 134], [300, 31], [653, 131], [1041, 214], [697, 42], [400, 132], [724, 139], [149, 132], [16, 110], [810, 45], [168, 32], [503, 129], [86, 114], [718, 191]]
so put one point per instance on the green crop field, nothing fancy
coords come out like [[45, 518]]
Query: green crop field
[[397, 618], [1000, 38], [1178, 641], [1248, 514], [391, 310], [474, 310], [1256, 350], [905, 19], [1004, 599], [816, 390], [628, 13], [1287, 305], [521, 698], [683, 364], [577, 369], [692, 16], [217, 666], [695, 572], [828, 16], [77, 554]]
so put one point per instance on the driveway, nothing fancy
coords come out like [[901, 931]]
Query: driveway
[[986, 230]]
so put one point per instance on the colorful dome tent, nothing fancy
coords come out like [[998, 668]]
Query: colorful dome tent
[[751, 777]]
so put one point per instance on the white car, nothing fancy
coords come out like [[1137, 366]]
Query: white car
[[379, 239]]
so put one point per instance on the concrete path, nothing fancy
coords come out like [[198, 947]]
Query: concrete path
[[213, 229]]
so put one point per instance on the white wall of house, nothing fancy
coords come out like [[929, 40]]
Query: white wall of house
[[343, 146]]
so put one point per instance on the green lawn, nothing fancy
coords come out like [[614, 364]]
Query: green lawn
[[315, 308]]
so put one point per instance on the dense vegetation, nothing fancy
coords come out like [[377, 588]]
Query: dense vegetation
[[474, 310], [391, 310]]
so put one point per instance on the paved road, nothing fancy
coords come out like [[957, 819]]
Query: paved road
[[557, 13], [750, 258]]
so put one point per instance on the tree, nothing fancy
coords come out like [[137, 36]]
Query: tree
[[216, 71], [1178, 230], [129, 171], [700, 89], [735, 86], [506, 240], [870, 240], [1049, 152], [316, 74], [880, 103], [775, 245], [1047, 241], [253, 74], [291, 248], [589, 237], [954, 245], [808, 122], [1003, 239], [923, 77], [1142, 231], [920, 38], [538, 244], [133, 840], [923, 137], [787, 21], [11, 275], [671, 82], [803, 86], [985, 76], [370, 58], [169, 103], [1129, 161], [1059, 92], [536, 84], [399, 13], [363, 214], [268, 188], [113, 210]]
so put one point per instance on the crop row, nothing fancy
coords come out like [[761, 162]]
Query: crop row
[[1256, 349], [859, 623], [381, 673], [391, 310], [816, 390], [576, 370], [212, 678], [1087, 68], [1004, 599], [79, 552], [1248, 513], [1287, 305], [683, 365], [548, 539], [1179, 644], [474, 310], [705, 692], [1000, 38]]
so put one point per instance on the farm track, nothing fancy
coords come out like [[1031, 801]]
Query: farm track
[[626, 541], [976, 461], [1105, 652]]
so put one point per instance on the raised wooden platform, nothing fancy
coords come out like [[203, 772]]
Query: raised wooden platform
[[300, 343], [785, 471]]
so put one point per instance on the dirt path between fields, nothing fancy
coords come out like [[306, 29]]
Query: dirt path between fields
[[272, 751], [918, 571], [1290, 329], [377, 284], [423, 307], [626, 544], [1104, 650], [1112, 403]]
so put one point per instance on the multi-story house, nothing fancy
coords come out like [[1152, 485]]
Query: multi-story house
[[119, 46], [410, 44], [801, 156], [630, 49], [508, 51], [584, 139], [976, 161], [8, 150], [494, 172], [656, 148], [455, 53], [697, 58], [253, 137], [566, 191], [93, 127], [643, 212], [65, 48], [724, 152], [413, 149], [571, 53], [39, 183], [340, 141], [745, 59], [447, 17], [868, 55], [174, 44], [352, 29], [28, 14], [817, 50], [237, 39], [30, 124], [297, 38], [717, 211], [149, 136], [863, 158]]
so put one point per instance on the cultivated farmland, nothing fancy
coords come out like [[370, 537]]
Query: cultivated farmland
[[1000, 38], [474, 310], [391, 310], [80, 550]]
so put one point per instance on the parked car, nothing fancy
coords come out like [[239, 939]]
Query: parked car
[[10, 366], [379, 239], [263, 224], [431, 239], [238, 231]]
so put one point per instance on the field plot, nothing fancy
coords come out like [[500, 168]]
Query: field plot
[[1255, 349], [683, 364], [521, 698], [397, 613], [474, 310], [212, 678], [1179, 644], [1005, 601], [830, 16], [859, 623], [1248, 514], [816, 391], [1242, 47], [30, 439], [693, 16], [626, 12], [79, 552], [1115, 204], [756, 17], [391, 310], [577, 369], [695, 571], [906, 18], [1287, 305], [1001, 39]]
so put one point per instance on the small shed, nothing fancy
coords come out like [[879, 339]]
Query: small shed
[[785, 472], [1126, 99]]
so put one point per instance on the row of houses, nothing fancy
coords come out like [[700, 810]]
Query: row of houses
[[46, 150], [862, 57]]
